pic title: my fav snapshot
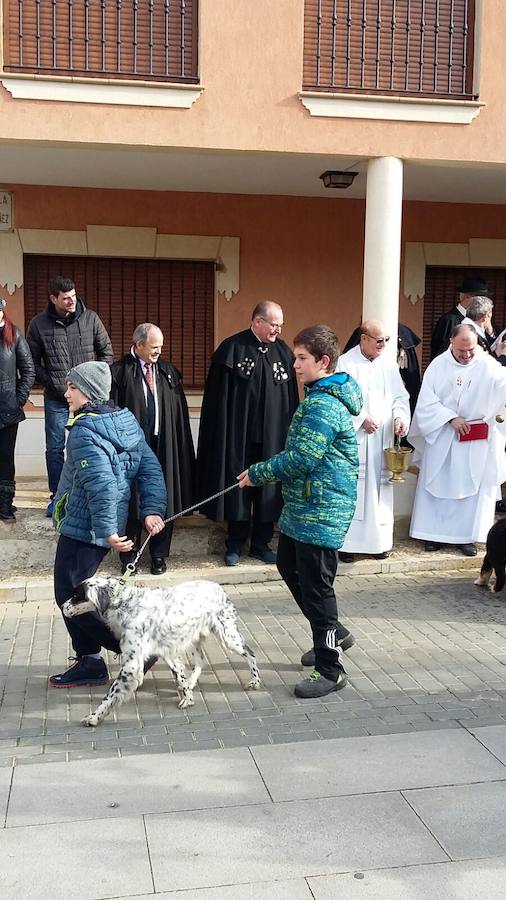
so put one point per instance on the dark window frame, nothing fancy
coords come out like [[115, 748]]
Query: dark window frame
[[441, 294], [149, 40], [422, 48]]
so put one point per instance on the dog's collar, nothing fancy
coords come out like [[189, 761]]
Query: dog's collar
[[127, 574]]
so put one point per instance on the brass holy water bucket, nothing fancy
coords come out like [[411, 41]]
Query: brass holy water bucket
[[397, 461]]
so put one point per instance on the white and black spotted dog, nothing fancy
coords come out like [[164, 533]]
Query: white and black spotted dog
[[159, 622]]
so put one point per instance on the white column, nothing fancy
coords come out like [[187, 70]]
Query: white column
[[382, 251]]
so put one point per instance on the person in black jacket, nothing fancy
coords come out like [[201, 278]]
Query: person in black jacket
[[249, 399], [152, 390], [472, 286], [17, 374], [61, 337]]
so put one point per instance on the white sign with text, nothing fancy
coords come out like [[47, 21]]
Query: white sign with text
[[6, 223]]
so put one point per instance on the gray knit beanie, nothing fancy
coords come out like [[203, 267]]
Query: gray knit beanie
[[92, 378]]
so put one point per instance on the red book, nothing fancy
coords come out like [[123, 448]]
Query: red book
[[479, 432]]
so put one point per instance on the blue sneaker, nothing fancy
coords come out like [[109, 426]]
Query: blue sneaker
[[265, 554], [50, 508], [85, 671], [231, 558]]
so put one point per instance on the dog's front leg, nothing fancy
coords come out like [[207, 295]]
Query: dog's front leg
[[197, 661], [182, 683], [130, 677], [485, 572]]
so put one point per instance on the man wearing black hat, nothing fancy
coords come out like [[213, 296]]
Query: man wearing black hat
[[472, 286]]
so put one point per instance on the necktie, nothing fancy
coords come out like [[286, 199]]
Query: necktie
[[149, 376]]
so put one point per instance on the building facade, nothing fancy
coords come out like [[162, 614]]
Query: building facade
[[168, 156]]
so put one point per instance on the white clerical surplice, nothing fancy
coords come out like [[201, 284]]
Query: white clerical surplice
[[459, 480], [385, 399]]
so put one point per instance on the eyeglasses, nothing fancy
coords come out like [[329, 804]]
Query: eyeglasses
[[272, 324], [379, 341]]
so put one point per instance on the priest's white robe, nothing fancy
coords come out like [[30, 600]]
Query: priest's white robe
[[385, 399], [459, 480]]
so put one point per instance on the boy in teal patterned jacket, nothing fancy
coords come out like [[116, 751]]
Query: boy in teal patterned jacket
[[318, 470]]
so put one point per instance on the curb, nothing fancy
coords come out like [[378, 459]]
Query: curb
[[21, 589]]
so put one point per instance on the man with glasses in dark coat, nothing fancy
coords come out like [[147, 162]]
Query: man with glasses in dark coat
[[249, 399]]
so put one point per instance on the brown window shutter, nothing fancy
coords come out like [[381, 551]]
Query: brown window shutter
[[178, 296], [420, 47], [148, 39]]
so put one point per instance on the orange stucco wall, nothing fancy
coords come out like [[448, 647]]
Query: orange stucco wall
[[251, 70], [305, 253]]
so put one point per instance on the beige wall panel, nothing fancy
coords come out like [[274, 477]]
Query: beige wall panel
[[414, 271], [11, 261], [487, 252], [64, 243], [187, 246], [446, 254], [113, 240], [227, 277]]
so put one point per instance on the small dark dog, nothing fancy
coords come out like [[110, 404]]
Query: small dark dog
[[495, 558]]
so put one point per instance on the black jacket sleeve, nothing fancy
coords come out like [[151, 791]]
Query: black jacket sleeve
[[440, 340], [36, 347], [26, 369], [102, 342]]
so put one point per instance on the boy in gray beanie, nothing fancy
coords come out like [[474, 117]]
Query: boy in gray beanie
[[106, 454], [93, 380]]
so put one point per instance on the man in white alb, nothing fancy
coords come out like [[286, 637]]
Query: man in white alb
[[460, 445], [385, 413]]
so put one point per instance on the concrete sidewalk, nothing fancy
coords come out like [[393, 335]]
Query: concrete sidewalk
[[377, 818], [392, 788], [430, 654]]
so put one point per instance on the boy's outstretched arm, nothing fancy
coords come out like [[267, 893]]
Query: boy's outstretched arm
[[314, 436]]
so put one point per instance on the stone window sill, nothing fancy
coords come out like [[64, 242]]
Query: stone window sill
[[398, 109], [100, 90]]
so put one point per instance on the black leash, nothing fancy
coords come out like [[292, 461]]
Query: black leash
[[131, 566]]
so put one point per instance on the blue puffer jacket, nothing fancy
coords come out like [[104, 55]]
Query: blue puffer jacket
[[319, 466], [106, 453]]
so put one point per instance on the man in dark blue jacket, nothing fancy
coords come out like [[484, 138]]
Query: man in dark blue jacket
[[106, 454]]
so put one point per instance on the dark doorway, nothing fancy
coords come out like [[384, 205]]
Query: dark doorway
[[178, 296], [441, 284]]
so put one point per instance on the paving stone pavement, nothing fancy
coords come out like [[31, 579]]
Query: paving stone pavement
[[430, 654]]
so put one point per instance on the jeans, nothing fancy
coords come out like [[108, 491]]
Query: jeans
[[74, 562], [56, 415], [309, 571]]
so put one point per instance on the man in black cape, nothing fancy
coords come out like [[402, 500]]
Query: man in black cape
[[407, 360], [153, 392], [472, 286], [249, 399]]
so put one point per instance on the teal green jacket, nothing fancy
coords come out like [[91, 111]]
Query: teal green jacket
[[319, 466]]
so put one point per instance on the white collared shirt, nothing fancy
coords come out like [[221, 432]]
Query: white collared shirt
[[146, 389], [479, 330]]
